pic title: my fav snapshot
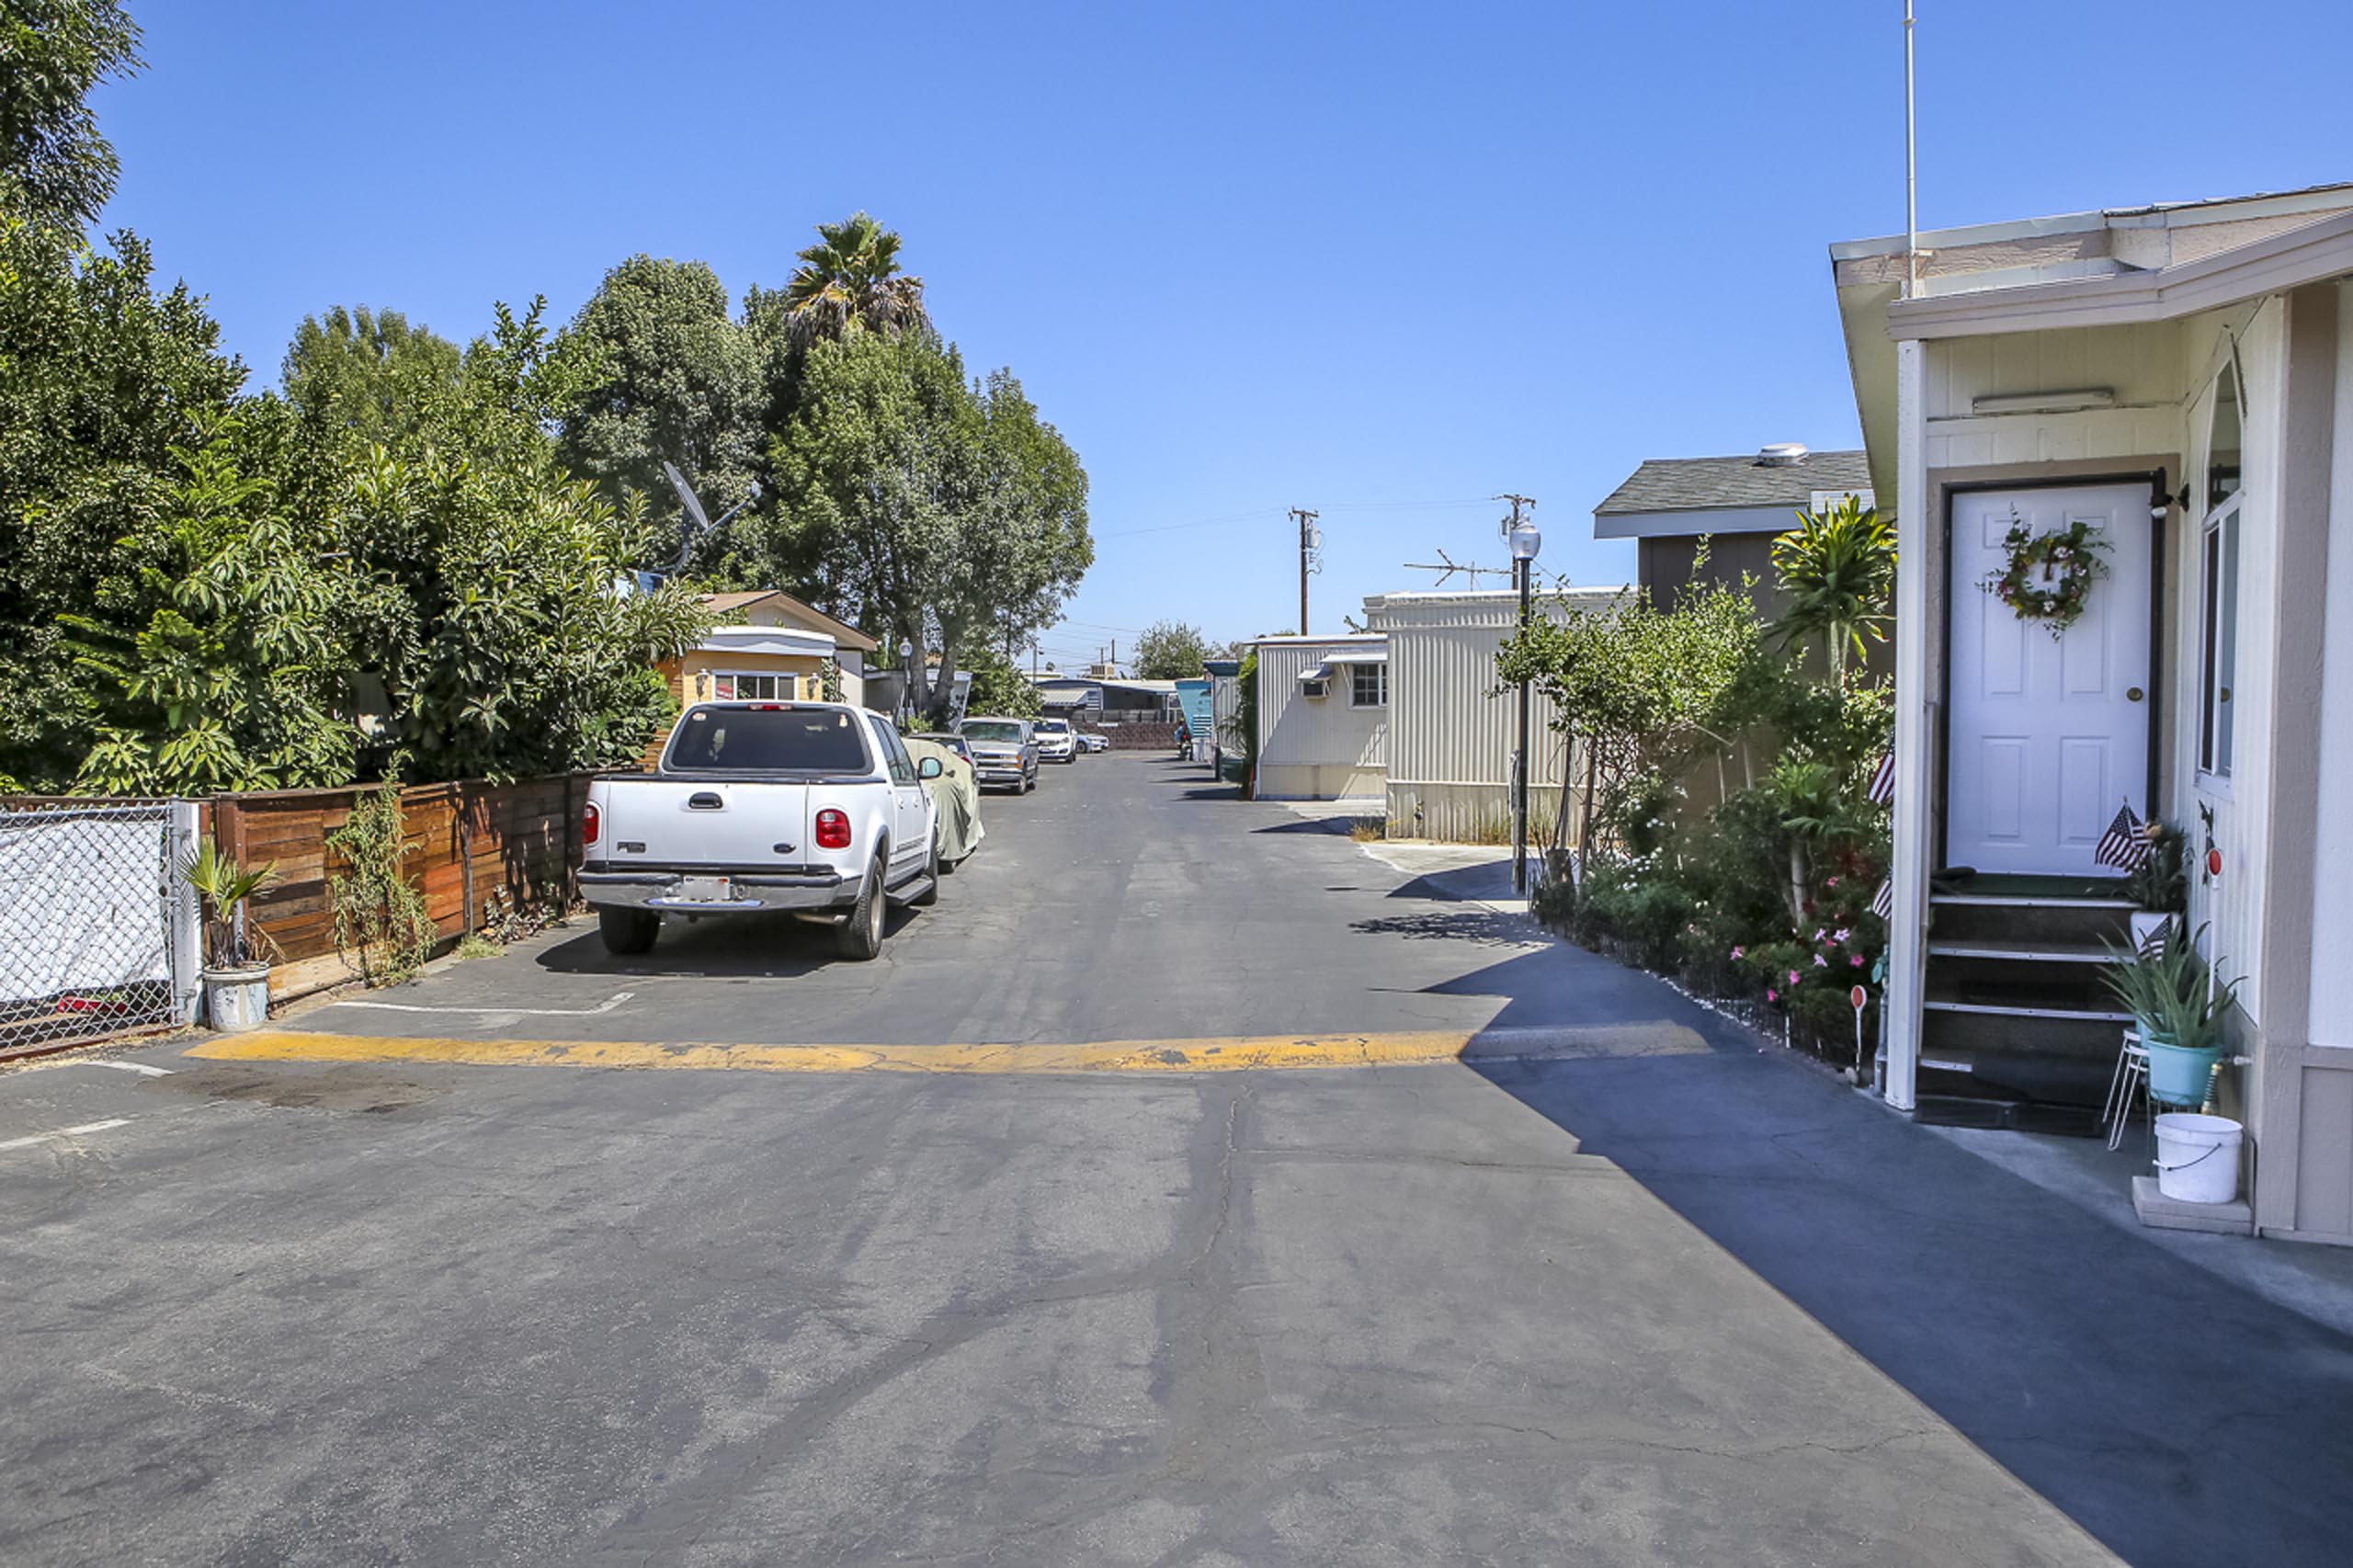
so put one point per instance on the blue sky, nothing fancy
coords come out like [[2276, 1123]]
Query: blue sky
[[1385, 261]]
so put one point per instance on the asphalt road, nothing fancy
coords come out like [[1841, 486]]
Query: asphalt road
[[1622, 1289]]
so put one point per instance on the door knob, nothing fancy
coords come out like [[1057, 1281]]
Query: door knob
[[2132, 694]]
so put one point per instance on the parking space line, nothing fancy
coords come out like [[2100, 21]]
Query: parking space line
[[85, 1130], [1225, 1054], [602, 1007], [139, 1067]]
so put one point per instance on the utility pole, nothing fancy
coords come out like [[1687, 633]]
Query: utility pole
[[1311, 540]]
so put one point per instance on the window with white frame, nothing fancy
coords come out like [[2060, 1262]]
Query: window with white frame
[[2218, 607], [1368, 686], [743, 685]]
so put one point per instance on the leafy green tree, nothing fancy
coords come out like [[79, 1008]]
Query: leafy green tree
[[1642, 689], [367, 371], [482, 583], [210, 659], [924, 507], [999, 687], [1171, 650], [850, 280], [101, 377], [1838, 569], [54, 166], [665, 375]]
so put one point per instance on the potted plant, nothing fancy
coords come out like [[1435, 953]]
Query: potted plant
[[2179, 1008], [2159, 884], [237, 957]]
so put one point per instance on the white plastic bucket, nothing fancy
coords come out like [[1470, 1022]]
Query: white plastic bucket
[[2198, 1157]]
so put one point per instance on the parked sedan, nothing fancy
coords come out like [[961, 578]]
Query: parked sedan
[[1091, 740], [1005, 752], [1056, 741]]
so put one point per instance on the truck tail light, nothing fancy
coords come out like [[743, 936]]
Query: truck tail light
[[833, 830], [592, 822]]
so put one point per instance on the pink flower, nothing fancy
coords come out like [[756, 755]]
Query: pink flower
[[1817, 933], [1794, 977], [1841, 934], [1738, 952], [1771, 994], [1831, 883], [1821, 962], [1856, 960]]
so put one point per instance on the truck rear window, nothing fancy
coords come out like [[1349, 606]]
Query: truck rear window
[[756, 740]]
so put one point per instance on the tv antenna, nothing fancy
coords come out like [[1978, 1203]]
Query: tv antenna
[[698, 520], [1447, 566]]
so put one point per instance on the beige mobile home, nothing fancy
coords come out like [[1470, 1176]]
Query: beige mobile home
[[1451, 730], [1324, 718], [2177, 382]]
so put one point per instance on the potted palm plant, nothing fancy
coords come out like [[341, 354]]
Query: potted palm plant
[[2159, 884], [2179, 1007], [236, 955]]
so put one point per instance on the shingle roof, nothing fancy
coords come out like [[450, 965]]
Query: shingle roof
[[1687, 484]]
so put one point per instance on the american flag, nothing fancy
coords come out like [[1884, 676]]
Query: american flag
[[1883, 901], [2123, 846], [1884, 780]]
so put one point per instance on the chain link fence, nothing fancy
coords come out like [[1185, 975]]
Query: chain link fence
[[98, 933]]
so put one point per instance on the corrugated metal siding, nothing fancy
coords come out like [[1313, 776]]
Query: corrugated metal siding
[[1452, 730], [1326, 734]]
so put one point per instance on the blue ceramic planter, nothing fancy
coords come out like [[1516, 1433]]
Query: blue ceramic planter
[[2178, 1074]]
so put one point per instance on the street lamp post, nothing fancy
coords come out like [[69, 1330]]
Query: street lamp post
[[1525, 542], [906, 676]]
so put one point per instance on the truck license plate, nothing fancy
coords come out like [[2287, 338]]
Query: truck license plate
[[704, 889]]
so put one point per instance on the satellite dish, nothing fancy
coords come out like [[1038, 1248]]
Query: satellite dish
[[686, 495]]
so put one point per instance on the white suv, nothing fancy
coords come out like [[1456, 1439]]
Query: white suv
[[1056, 740]]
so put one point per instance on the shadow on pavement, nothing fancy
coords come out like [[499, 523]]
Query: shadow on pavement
[[2177, 1414], [734, 947]]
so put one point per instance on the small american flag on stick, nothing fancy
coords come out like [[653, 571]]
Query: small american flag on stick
[[1884, 780], [2123, 846], [1883, 901]]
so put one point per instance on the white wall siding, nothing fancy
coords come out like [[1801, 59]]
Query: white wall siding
[[1317, 748]]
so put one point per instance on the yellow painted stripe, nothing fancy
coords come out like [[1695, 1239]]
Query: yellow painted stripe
[[1242, 1053]]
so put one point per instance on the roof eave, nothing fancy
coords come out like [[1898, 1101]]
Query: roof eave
[[2307, 254]]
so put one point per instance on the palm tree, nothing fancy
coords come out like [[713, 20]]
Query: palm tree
[[850, 281], [1838, 569]]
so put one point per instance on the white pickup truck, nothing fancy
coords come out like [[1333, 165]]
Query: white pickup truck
[[811, 808]]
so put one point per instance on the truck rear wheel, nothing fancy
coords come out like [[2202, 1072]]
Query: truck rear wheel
[[628, 931], [861, 934]]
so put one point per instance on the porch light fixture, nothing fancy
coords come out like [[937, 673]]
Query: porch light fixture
[[2069, 401]]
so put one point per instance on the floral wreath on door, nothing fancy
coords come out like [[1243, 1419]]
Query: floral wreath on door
[[2048, 576]]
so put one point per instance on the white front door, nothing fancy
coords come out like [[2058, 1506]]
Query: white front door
[[2046, 737]]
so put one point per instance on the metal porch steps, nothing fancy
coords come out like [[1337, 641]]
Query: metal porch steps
[[2017, 1030]]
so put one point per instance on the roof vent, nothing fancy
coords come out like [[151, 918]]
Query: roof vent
[[1781, 454]]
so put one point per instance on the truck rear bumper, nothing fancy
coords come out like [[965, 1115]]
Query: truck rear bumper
[[752, 894]]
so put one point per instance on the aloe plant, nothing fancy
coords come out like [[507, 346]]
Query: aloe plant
[[224, 886], [2170, 992]]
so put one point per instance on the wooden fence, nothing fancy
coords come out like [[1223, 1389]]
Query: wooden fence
[[475, 850]]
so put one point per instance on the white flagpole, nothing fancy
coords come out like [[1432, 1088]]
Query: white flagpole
[[1911, 167]]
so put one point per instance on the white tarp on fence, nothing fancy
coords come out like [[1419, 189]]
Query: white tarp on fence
[[84, 901]]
